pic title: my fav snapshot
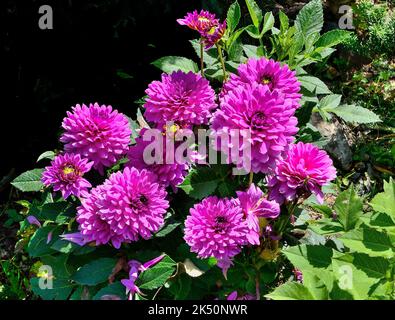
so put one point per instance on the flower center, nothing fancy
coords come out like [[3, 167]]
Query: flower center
[[220, 224], [258, 120], [267, 80], [69, 173], [139, 202], [68, 169], [203, 19]]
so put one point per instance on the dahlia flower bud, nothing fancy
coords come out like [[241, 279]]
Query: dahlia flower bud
[[304, 170], [98, 133], [65, 175]]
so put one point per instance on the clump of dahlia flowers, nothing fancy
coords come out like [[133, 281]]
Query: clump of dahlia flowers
[[255, 206], [98, 133], [128, 205], [65, 175], [303, 171], [208, 26], [266, 115], [216, 228], [268, 73], [182, 98], [169, 171]]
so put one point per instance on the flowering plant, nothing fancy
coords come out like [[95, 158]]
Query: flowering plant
[[123, 192]]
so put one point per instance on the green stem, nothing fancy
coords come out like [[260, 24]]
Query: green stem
[[250, 179], [221, 58], [201, 58]]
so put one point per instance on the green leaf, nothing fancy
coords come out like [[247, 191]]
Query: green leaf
[[46, 155], [291, 291], [173, 63], [330, 101], [61, 289], [116, 289], [369, 241], [255, 12], [310, 18], [167, 229], [233, 16], [385, 201], [306, 257], [268, 23], [352, 113], [200, 183], [210, 56], [29, 181], [313, 84], [332, 38], [95, 272], [348, 207], [157, 275], [284, 21], [64, 246], [252, 51], [38, 245]]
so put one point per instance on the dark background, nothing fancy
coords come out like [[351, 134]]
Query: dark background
[[45, 72]]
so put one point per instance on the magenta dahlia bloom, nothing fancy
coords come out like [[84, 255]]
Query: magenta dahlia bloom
[[65, 175], [216, 228], [266, 115], [199, 21], [128, 205], [97, 133], [168, 173], [304, 170], [209, 27], [255, 205], [182, 98], [268, 73]]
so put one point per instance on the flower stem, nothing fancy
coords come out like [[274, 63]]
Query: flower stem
[[221, 58], [258, 291], [251, 177], [201, 58]]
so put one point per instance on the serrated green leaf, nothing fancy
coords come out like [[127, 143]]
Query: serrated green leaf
[[291, 291], [310, 18], [29, 181], [352, 113], [233, 16], [157, 275], [313, 84], [255, 12], [200, 182], [385, 201], [174, 63], [332, 38], [348, 207], [95, 272]]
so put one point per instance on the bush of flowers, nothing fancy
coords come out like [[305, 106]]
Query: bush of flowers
[[253, 214]]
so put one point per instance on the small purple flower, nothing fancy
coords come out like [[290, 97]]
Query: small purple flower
[[234, 296], [135, 268], [255, 206], [65, 174], [34, 221], [76, 237]]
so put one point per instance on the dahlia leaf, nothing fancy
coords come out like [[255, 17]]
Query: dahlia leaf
[[200, 183], [29, 181], [291, 291], [268, 23], [157, 276], [95, 272], [167, 229], [313, 84], [255, 12], [348, 207], [332, 38], [310, 18], [385, 201], [357, 114], [39, 244], [173, 63], [233, 16], [284, 21], [46, 155], [114, 289], [61, 289]]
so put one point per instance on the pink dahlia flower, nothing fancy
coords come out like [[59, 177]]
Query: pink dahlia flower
[[97, 133], [182, 98], [209, 27], [199, 21], [266, 115], [168, 173], [128, 205], [216, 228], [234, 296], [65, 175], [255, 205], [304, 170], [268, 73]]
